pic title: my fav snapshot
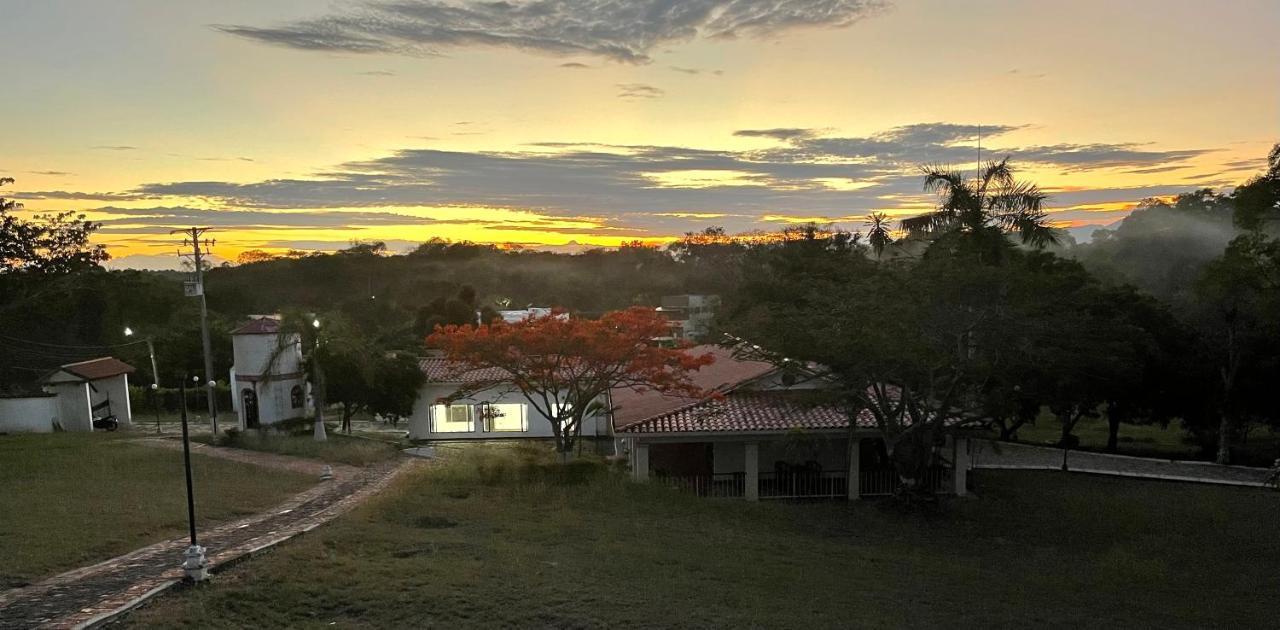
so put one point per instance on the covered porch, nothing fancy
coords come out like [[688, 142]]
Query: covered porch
[[790, 465]]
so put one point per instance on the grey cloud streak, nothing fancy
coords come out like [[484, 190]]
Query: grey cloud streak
[[626, 31], [805, 174]]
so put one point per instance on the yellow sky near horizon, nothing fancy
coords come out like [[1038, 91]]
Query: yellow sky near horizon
[[1106, 102]]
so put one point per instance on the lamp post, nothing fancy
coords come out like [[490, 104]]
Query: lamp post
[[155, 376], [317, 396], [194, 563]]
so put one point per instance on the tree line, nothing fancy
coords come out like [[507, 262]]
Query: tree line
[[977, 310]]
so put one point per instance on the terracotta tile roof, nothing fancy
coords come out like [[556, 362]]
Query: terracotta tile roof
[[750, 411], [259, 326], [95, 369], [725, 373], [441, 370]]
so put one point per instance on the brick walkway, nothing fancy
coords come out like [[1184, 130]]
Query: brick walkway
[[1027, 457], [91, 595]]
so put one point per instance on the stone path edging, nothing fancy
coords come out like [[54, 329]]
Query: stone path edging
[[91, 596]]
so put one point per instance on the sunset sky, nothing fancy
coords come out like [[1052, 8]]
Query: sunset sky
[[309, 124]]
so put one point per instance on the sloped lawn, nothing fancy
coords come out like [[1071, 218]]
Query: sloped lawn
[[336, 449], [490, 541], [74, 499]]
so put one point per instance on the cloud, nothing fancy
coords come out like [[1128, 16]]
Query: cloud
[[670, 189], [625, 31], [114, 147], [779, 133], [82, 196], [696, 71], [51, 173], [639, 90], [575, 65]]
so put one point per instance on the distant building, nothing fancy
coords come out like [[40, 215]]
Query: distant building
[[268, 381], [512, 317], [690, 315], [75, 395], [501, 412]]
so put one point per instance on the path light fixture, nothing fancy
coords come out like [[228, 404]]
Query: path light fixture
[[194, 563], [317, 385], [155, 375]]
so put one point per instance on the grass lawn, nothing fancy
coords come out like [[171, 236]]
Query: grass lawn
[[1260, 449], [479, 542], [73, 499], [337, 449]]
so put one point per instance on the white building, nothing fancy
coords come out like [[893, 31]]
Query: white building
[[690, 315], [496, 413], [765, 437], [268, 381], [77, 393]]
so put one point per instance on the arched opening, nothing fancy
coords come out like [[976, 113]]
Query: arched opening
[[249, 402], [295, 397]]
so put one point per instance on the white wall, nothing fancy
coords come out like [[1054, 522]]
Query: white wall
[[275, 402], [252, 352], [252, 355], [74, 411], [28, 415], [538, 425]]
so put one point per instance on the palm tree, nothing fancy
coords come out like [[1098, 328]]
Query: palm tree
[[993, 204], [879, 234]]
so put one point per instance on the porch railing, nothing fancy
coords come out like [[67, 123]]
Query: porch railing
[[800, 484], [803, 484], [724, 485]]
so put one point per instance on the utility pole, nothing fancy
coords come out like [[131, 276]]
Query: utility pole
[[191, 238]]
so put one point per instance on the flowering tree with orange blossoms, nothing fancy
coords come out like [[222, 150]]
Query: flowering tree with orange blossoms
[[565, 366]]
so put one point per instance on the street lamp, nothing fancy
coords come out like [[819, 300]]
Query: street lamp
[[155, 376], [317, 386], [194, 563]]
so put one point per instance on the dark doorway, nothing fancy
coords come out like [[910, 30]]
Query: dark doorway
[[249, 400]]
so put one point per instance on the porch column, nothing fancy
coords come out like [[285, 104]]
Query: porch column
[[855, 467], [751, 453], [639, 461], [961, 472]]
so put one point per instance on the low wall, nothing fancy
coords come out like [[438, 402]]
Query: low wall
[[28, 415]]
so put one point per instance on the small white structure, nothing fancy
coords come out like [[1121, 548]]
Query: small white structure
[[492, 414], [75, 394], [268, 382]]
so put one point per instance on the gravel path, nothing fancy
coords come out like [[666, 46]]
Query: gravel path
[[1022, 456], [91, 595]]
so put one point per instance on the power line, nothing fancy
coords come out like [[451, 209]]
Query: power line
[[72, 346]]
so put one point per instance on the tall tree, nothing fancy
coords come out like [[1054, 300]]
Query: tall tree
[[1258, 201], [1239, 299], [46, 243], [984, 210], [564, 366]]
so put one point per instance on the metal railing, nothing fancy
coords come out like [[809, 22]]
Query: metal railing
[[800, 484], [803, 484], [723, 485]]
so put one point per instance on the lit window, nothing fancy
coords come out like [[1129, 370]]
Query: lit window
[[451, 419], [504, 417]]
